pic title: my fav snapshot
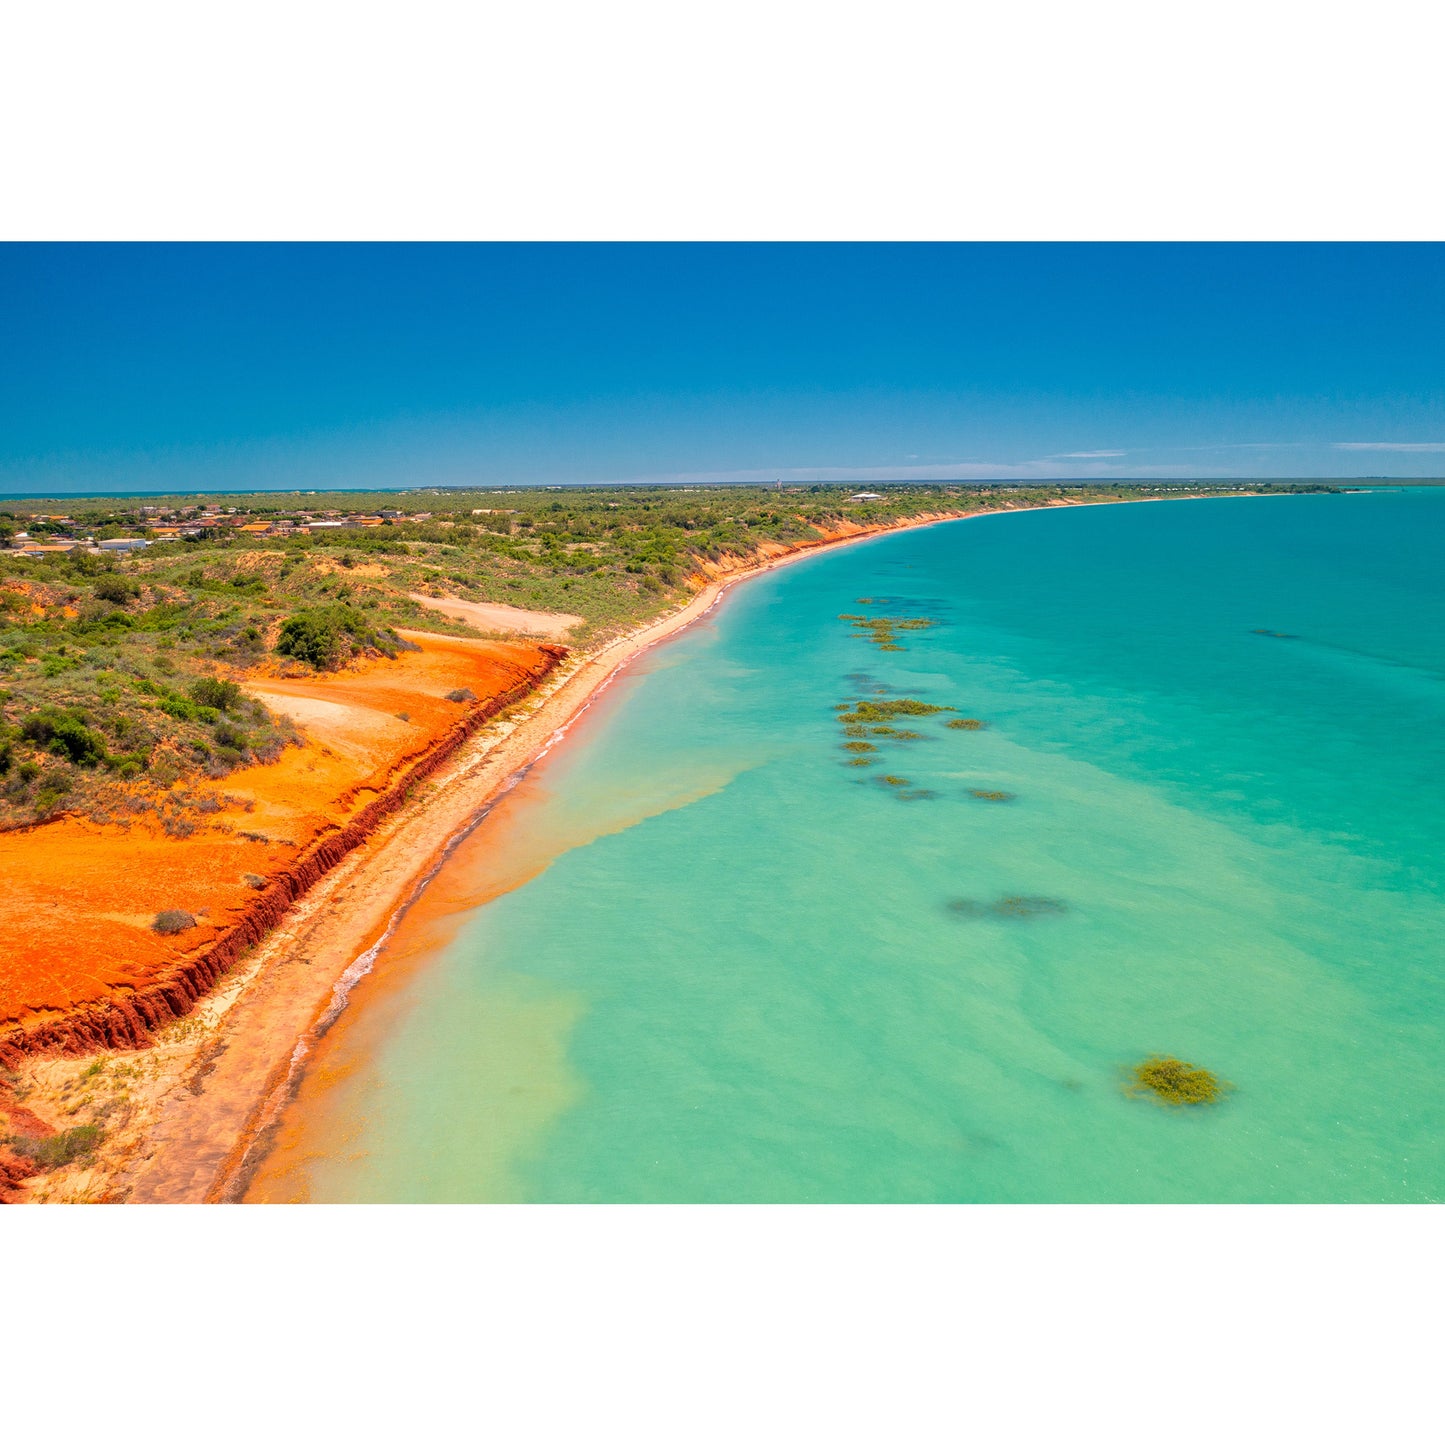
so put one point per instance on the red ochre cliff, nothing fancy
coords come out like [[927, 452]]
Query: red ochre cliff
[[81, 967]]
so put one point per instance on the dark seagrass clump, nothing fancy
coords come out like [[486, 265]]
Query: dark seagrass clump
[[884, 711], [1174, 1083], [883, 631], [1018, 906], [990, 795], [966, 724], [1014, 905]]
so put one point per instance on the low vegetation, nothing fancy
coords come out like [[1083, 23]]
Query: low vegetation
[[327, 637], [56, 1150], [173, 920]]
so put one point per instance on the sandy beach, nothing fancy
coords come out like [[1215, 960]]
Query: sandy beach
[[204, 1100]]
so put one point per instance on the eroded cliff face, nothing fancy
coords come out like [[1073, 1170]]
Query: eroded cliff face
[[17, 1120], [126, 1016]]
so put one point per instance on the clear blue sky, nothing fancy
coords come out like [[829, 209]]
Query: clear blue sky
[[210, 366]]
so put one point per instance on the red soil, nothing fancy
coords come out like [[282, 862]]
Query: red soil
[[82, 967]]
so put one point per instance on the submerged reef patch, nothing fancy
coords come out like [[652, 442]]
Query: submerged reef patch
[[965, 724], [866, 710], [883, 631], [1174, 1083], [991, 795], [866, 682]]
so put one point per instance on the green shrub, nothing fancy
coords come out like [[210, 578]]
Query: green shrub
[[117, 589], [60, 1149], [173, 920], [216, 693], [229, 737], [326, 636], [64, 732], [311, 637]]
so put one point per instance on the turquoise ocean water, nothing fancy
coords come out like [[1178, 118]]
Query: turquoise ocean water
[[748, 971]]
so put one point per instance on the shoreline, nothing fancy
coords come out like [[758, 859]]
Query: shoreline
[[215, 1084]]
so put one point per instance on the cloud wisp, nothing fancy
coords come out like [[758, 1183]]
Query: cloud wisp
[[1389, 446]]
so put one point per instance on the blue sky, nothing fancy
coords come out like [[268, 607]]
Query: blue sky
[[153, 367]]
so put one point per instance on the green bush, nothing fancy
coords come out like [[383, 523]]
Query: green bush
[[65, 733], [173, 920], [59, 1149], [326, 636], [117, 589], [311, 637], [229, 737], [214, 692]]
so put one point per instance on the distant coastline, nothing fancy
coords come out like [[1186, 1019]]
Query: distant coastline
[[70, 498]]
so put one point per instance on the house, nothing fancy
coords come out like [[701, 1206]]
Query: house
[[866, 497], [123, 544]]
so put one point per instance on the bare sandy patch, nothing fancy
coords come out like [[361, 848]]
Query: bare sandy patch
[[498, 617]]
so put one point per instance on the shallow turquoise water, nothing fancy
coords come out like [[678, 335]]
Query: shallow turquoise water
[[741, 979]]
